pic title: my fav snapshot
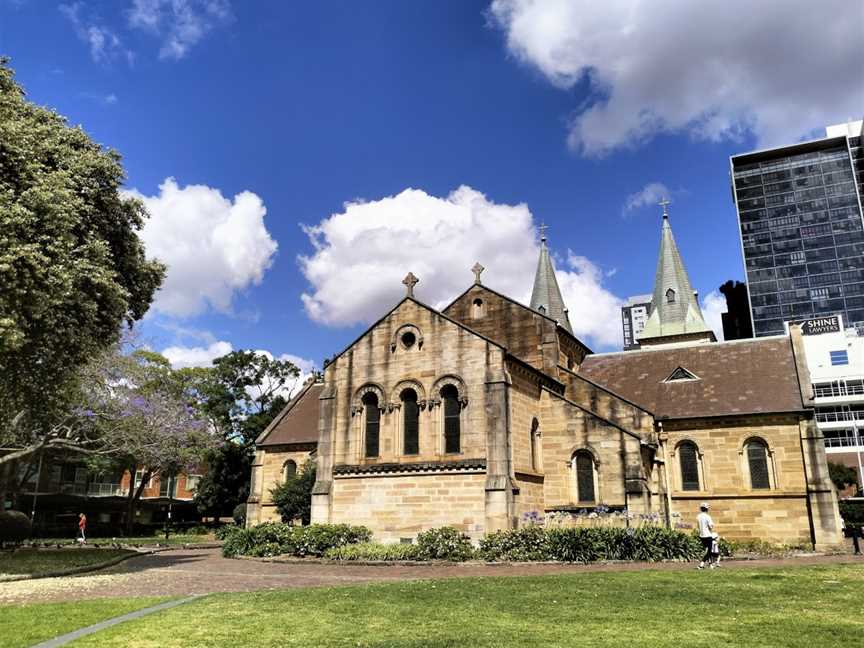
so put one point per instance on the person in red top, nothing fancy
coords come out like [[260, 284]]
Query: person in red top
[[82, 525]]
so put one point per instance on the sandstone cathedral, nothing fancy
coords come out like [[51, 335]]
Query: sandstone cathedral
[[490, 413]]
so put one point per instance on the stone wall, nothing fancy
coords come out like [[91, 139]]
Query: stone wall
[[267, 471], [778, 514], [397, 506], [443, 353], [607, 405], [568, 428]]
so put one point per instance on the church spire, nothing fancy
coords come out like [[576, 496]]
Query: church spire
[[675, 316], [546, 296]]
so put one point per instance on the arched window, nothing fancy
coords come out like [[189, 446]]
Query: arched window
[[534, 439], [410, 422], [289, 469], [584, 466], [477, 310], [452, 407], [670, 296], [757, 460], [688, 457], [373, 423]]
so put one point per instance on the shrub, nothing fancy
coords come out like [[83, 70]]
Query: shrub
[[523, 544], [374, 551], [445, 543], [239, 514], [589, 544], [276, 538], [293, 498], [852, 512], [226, 530], [15, 527]]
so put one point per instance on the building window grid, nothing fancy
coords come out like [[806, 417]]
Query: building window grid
[[829, 173]]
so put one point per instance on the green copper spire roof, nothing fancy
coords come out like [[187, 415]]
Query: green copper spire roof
[[546, 296], [675, 308]]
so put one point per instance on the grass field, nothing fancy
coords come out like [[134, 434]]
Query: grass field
[[22, 626], [805, 607], [173, 539], [34, 562]]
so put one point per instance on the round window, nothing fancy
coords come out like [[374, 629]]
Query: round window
[[408, 339]]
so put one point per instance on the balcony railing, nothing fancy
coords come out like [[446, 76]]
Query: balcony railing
[[106, 490], [838, 389], [847, 441], [839, 417]]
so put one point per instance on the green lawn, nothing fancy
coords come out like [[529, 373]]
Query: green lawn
[[796, 607], [173, 539], [40, 561], [25, 625]]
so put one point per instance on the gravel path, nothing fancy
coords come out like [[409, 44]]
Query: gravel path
[[186, 572]]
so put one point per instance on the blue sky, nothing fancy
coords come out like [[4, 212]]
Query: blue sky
[[561, 108]]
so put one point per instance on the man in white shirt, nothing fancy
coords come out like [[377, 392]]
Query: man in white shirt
[[706, 535]]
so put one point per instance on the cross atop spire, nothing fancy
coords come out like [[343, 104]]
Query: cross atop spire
[[410, 281], [543, 227], [675, 314], [664, 203], [477, 270], [546, 296]]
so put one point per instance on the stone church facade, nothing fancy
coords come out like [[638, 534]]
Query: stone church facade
[[489, 413]]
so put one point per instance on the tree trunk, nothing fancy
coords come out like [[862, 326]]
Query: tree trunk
[[134, 496]]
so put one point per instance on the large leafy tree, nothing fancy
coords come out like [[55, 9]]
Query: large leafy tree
[[72, 268], [240, 395]]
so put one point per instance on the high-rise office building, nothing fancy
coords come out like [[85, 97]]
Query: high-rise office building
[[634, 313], [802, 229]]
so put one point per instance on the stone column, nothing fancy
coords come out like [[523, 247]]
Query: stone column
[[825, 523], [499, 486], [322, 490], [253, 503]]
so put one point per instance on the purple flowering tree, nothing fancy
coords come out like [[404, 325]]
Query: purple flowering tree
[[142, 420]]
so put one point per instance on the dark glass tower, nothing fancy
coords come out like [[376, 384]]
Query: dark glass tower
[[802, 229]]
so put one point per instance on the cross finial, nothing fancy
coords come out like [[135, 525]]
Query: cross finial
[[477, 270], [664, 203], [410, 281], [543, 227]]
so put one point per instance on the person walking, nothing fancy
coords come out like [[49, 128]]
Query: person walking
[[82, 527], [707, 536]]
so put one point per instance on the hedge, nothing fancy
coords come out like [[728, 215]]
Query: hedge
[[277, 539], [374, 551], [589, 544]]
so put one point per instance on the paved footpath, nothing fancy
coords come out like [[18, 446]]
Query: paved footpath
[[187, 572]]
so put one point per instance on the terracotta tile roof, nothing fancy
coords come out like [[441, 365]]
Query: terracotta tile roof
[[740, 377], [297, 422]]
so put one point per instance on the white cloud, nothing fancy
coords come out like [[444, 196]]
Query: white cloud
[[181, 357], [363, 253], [713, 69], [650, 194], [214, 247], [105, 45], [180, 24], [713, 306]]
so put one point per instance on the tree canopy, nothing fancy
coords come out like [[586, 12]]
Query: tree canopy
[[72, 265]]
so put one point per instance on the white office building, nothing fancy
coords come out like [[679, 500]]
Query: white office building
[[835, 359]]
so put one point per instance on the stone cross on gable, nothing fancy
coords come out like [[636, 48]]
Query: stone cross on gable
[[410, 281], [477, 270], [664, 204]]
